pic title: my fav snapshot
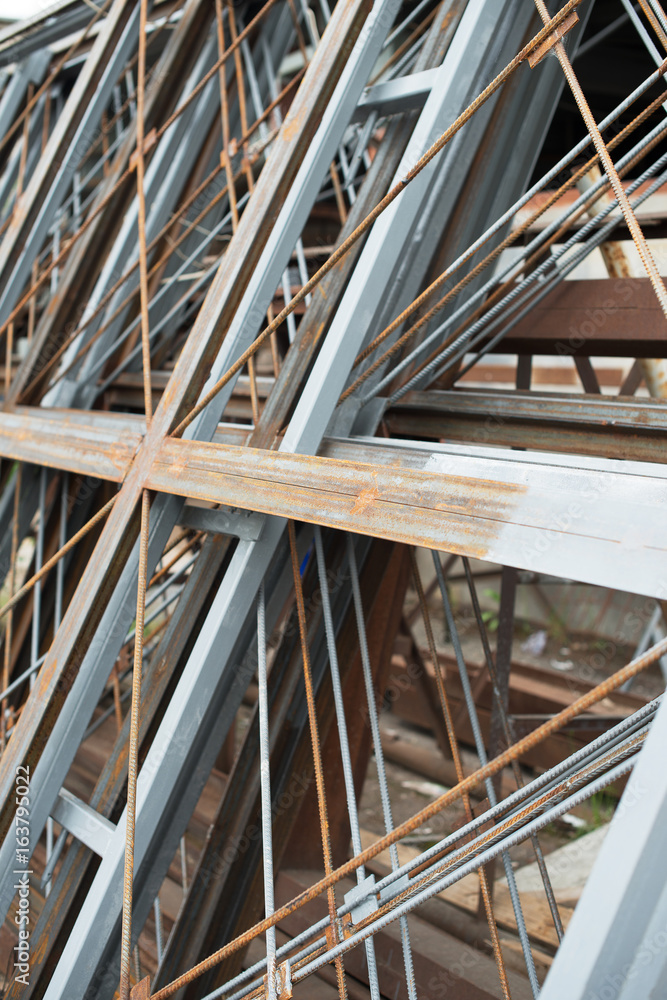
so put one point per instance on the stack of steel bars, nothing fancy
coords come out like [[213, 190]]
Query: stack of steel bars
[[253, 259]]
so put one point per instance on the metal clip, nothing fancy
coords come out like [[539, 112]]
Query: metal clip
[[284, 981], [142, 991], [394, 888], [551, 40], [362, 901]]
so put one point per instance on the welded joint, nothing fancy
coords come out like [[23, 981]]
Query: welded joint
[[284, 981], [549, 43], [362, 900]]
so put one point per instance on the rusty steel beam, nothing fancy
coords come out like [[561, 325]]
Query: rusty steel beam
[[592, 317], [625, 428], [507, 512]]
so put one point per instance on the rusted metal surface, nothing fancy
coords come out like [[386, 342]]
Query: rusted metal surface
[[228, 285], [61, 441], [401, 498], [594, 317], [575, 424]]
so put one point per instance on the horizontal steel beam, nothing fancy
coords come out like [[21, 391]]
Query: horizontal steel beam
[[61, 439], [407, 93], [549, 515], [580, 424], [591, 318]]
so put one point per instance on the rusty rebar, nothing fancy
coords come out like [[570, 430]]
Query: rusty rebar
[[133, 752], [317, 751]]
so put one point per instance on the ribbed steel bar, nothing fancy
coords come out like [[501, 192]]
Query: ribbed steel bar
[[126, 935], [350, 791], [488, 783], [378, 752]]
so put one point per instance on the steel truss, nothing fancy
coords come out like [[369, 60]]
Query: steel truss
[[224, 443]]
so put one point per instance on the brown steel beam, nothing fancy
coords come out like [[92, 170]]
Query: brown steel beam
[[586, 425], [619, 317]]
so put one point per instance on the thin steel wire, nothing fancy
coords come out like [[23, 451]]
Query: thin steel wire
[[133, 753]]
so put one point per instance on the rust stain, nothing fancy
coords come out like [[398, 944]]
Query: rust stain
[[293, 124], [364, 500]]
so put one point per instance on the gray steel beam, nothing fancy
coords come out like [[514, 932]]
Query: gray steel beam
[[407, 93], [615, 943], [30, 71]]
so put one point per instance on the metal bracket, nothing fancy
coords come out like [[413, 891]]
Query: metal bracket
[[142, 990], [284, 981], [551, 40], [394, 888], [223, 521], [83, 822], [362, 900]]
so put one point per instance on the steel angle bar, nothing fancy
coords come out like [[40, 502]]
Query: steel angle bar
[[35, 34], [110, 786], [546, 421], [160, 97], [192, 351], [407, 93], [32, 70], [172, 161], [50, 439], [274, 416], [295, 203], [498, 141], [382, 252]]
